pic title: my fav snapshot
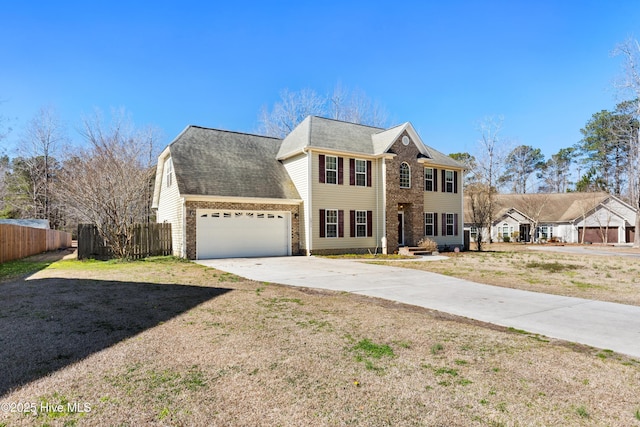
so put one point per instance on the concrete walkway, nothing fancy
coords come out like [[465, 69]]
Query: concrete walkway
[[598, 324]]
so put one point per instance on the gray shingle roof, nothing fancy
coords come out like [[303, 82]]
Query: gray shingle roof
[[556, 207], [328, 134], [222, 163]]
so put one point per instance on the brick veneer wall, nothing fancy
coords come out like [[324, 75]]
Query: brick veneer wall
[[412, 198], [191, 220]]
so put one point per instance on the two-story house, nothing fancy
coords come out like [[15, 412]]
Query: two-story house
[[328, 187]]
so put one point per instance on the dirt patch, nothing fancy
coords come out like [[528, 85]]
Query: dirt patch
[[165, 342]]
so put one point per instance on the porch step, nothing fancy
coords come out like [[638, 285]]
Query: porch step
[[413, 250]]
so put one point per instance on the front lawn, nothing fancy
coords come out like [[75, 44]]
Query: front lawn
[[165, 342]]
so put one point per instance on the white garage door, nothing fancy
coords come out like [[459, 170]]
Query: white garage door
[[229, 234]]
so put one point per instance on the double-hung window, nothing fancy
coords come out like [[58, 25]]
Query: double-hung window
[[450, 224], [361, 172], [169, 171], [429, 225], [449, 181], [331, 169], [428, 179], [361, 223], [331, 223]]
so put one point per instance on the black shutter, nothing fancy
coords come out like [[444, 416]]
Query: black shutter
[[444, 224], [369, 223], [340, 170], [444, 181], [368, 173], [321, 171], [435, 179], [322, 222], [352, 223], [340, 223], [435, 224], [455, 224], [455, 181], [352, 171]]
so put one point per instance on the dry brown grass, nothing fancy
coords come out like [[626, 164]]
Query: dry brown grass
[[173, 343], [598, 277]]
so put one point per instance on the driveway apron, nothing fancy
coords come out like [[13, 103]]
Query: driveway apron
[[594, 323]]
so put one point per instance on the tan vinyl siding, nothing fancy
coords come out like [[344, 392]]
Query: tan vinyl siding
[[297, 168], [439, 203], [346, 197], [170, 210]]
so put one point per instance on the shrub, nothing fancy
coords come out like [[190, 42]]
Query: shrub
[[506, 239], [428, 244]]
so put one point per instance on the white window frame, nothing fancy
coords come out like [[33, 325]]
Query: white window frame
[[448, 178], [361, 223], [331, 172], [329, 224], [429, 224], [428, 180], [362, 174], [405, 180], [505, 230], [450, 222], [169, 172]]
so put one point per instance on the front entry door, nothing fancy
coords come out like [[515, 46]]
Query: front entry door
[[401, 228]]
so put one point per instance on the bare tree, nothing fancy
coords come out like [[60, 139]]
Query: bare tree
[[533, 205], [342, 104], [35, 168], [490, 159], [630, 84], [107, 184], [481, 210]]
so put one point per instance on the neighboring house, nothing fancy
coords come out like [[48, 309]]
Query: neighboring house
[[564, 217], [328, 187]]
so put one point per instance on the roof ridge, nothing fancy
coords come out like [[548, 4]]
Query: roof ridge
[[235, 132], [346, 122]]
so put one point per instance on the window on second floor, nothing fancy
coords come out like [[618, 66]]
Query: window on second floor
[[449, 181], [405, 175], [361, 172], [331, 169], [428, 179]]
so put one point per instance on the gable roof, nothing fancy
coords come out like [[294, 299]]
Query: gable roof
[[335, 135], [555, 207], [222, 163]]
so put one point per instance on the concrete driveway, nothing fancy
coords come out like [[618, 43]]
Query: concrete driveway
[[598, 324]]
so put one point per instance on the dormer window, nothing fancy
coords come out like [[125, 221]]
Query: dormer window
[[405, 175]]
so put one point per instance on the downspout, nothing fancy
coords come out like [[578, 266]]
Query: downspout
[[383, 179], [307, 213], [183, 249], [377, 211]]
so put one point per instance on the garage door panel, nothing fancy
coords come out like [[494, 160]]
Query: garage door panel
[[224, 234]]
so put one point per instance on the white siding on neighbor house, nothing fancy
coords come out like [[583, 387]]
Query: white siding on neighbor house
[[567, 233], [170, 209], [623, 210], [439, 203], [298, 170], [497, 230], [346, 197]]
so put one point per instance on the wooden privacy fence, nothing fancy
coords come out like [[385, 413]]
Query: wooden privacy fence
[[17, 241], [147, 240]]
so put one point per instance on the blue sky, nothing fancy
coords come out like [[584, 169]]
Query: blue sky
[[543, 65]]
